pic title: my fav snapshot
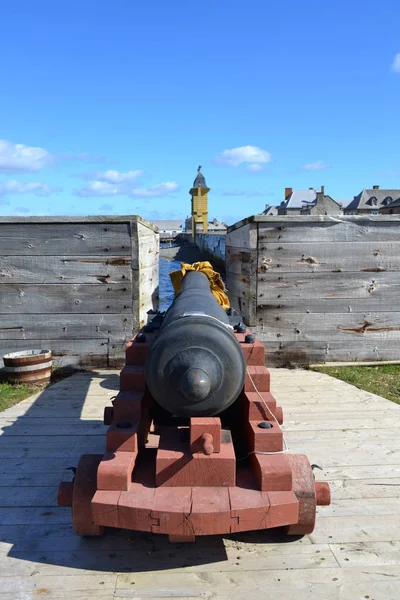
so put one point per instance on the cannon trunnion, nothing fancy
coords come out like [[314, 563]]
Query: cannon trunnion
[[194, 445]]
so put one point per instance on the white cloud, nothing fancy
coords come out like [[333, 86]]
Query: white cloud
[[18, 158], [319, 164], [18, 187], [124, 187], [161, 189], [396, 63], [243, 154], [22, 209], [112, 176], [254, 167], [99, 188]]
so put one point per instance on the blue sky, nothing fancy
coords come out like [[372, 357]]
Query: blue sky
[[109, 107]]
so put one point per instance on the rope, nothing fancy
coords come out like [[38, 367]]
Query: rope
[[285, 446]]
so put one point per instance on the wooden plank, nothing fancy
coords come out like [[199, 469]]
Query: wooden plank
[[54, 583], [331, 305], [34, 516], [241, 282], [367, 553], [329, 327], [145, 262], [145, 246], [305, 352], [65, 352], [336, 229], [333, 286], [101, 270], [359, 473], [68, 298], [378, 528], [76, 428], [329, 256], [69, 239], [66, 326], [241, 261], [244, 237], [32, 496], [361, 490]]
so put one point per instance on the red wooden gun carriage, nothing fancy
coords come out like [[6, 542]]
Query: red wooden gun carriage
[[194, 445]]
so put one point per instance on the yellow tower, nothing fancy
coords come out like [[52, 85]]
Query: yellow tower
[[199, 193]]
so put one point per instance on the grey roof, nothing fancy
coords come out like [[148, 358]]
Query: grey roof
[[299, 198], [168, 225], [393, 204], [365, 199], [200, 180], [270, 211]]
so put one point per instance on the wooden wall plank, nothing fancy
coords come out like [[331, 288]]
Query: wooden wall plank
[[336, 229], [86, 280], [68, 298], [66, 326], [65, 269], [328, 327], [305, 286], [331, 305], [243, 237], [329, 256], [69, 239], [302, 353], [83, 352], [145, 265]]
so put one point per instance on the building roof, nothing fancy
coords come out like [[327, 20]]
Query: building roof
[[299, 198], [168, 225], [319, 197], [200, 180], [393, 204], [270, 210], [375, 198]]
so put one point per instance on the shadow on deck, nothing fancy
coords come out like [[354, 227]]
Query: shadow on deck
[[41, 439]]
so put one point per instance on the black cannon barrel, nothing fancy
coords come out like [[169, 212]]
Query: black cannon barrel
[[196, 366]]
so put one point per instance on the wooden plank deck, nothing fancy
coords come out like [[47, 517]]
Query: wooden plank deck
[[354, 552]]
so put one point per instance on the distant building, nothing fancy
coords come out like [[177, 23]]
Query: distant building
[[309, 202], [270, 211], [213, 226], [391, 209], [168, 229], [371, 201], [322, 205]]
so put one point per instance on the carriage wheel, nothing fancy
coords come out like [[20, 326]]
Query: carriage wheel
[[85, 486], [304, 488]]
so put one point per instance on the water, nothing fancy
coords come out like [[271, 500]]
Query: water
[[166, 291]]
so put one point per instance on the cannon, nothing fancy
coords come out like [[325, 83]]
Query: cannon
[[196, 367], [194, 444]]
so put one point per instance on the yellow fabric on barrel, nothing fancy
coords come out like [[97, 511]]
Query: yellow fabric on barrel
[[216, 284]]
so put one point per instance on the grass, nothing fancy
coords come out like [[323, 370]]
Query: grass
[[12, 394], [383, 380]]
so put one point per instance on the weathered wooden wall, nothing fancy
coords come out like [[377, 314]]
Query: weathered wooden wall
[[79, 286], [318, 289]]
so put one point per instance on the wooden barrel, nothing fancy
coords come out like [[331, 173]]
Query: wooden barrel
[[28, 366]]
